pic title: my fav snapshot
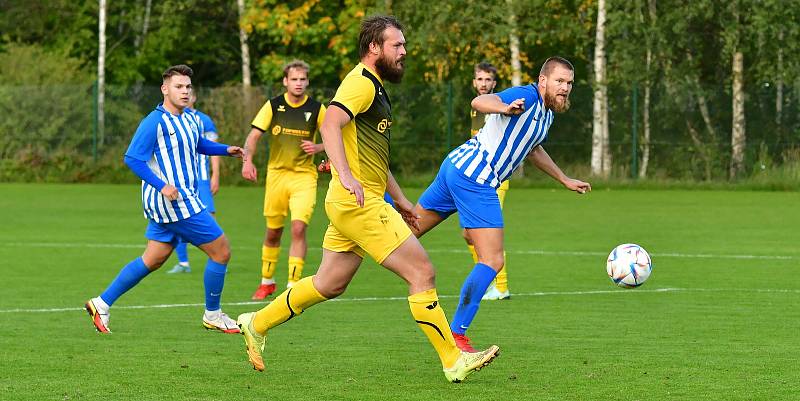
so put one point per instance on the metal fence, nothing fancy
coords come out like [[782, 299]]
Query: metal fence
[[51, 133]]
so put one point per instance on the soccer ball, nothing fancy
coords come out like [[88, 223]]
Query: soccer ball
[[629, 265]]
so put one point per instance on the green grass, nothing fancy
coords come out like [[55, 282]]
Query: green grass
[[719, 327]]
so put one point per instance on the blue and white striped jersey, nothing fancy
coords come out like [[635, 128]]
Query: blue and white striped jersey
[[168, 144], [504, 141], [209, 131]]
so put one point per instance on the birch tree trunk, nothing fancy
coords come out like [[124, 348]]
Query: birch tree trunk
[[246, 82], [513, 44], [646, 119], [516, 66], [779, 87], [738, 131], [651, 8], [601, 155], [139, 41], [101, 73]]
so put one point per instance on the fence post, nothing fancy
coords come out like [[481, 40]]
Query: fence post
[[634, 134], [94, 120], [449, 115]]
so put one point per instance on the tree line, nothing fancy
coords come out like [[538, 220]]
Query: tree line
[[709, 87]]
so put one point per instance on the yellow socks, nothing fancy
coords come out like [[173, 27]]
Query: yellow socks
[[289, 304], [269, 259], [295, 268], [501, 280], [473, 253], [431, 319]]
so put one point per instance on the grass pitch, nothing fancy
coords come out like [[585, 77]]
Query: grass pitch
[[718, 319]]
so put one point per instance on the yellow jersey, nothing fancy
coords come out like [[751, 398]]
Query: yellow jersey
[[366, 137], [288, 124]]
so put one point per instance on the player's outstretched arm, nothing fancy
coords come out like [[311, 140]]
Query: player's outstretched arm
[[493, 104], [331, 130], [543, 162], [211, 148]]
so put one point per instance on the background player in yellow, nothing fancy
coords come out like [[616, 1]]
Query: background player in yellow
[[484, 82], [356, 133], [292, 121]]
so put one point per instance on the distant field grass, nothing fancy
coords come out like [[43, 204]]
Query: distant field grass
[[718, 319]]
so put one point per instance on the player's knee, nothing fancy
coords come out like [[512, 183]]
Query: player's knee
[[223, 256], [273, 236], [153, 263], [423, 275], [219, 251], [298, 231], [495, 261], [330, 290]]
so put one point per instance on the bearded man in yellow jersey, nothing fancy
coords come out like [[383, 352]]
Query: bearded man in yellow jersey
[[484, 81], [356, 133], [292, 121]]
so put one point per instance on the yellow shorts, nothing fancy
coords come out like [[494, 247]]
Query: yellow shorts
[[501, 192], [289, 191], [376, 229]]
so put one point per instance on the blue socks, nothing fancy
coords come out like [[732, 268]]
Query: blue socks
[[183, 255], [214, 280], [128, 277], [471, 293]]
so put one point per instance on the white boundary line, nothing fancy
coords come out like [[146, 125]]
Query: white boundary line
[[378, 299], [456, 250]]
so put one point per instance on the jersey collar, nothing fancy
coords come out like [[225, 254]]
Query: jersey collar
[[375, 74], [294, 105], [161, 108]]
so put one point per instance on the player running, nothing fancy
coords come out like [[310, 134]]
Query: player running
[[292, 119], [356, 133], [164, 154], [467, 182]]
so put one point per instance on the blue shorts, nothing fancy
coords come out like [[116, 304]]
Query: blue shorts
[[204, 190], [198, 230], [477, 204], [388, 198]]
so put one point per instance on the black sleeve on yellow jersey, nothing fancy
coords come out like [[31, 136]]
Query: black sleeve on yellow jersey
[[355, 95]]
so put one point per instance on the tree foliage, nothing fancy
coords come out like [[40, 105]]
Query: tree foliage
[[55, 42]]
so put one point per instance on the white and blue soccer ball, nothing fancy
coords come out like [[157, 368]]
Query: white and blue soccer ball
[[629, 265]]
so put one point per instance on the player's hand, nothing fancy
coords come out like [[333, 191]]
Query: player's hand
[[249, 171], [351, 184], [577, 185], [406, 209], [214, 184], [516, 107], [170, 192], [236, 151], [324, 166], [310, 147]]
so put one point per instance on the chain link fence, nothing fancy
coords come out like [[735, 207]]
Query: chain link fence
[[52, 133]]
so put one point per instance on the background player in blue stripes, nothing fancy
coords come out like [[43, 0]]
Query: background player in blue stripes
[[208, 175], [518, 122], [164, 154], [484, 81]]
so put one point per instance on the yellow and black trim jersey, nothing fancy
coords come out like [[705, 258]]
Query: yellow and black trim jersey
[[288, 124], [366, 137]]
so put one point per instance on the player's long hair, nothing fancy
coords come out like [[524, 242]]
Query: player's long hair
[[372, 29]]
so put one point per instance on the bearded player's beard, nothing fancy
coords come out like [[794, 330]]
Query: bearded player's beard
[[551, 102], [389, 70]]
